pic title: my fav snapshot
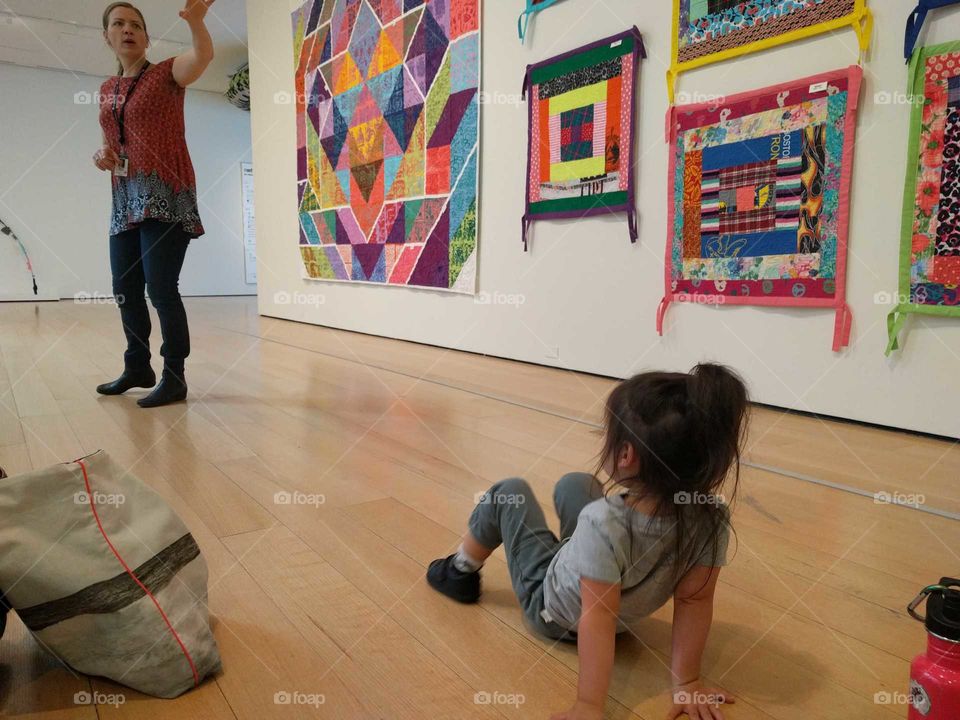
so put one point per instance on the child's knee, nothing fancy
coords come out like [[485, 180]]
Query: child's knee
[[512, 487], [491, 504], [576, 483]]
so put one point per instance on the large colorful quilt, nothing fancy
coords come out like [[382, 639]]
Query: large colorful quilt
[[759, 197], [930, 245], [706, 31], [387, 112], [582, 113]]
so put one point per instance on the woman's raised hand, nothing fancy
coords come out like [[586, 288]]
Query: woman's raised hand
[[196, 10]]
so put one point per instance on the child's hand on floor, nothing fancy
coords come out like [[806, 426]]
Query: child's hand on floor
[[698, 702], [580, 711]]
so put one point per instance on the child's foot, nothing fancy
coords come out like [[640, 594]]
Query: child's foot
[[444, 577]]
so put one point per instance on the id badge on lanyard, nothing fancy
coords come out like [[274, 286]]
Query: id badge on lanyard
[[122, 168]]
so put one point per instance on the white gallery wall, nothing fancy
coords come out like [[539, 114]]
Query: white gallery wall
[[583, 297], [58, 203]]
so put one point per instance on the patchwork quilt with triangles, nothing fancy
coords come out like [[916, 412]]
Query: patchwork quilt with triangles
[[387, 101]]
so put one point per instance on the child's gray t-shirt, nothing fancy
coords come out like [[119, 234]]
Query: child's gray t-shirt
[[600, 550]]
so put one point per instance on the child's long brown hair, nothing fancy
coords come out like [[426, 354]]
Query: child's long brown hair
[[687, 431]]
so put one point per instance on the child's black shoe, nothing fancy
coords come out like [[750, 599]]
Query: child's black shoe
[[444, 577]]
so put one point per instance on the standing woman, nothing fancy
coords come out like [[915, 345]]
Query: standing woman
[[155, 212]]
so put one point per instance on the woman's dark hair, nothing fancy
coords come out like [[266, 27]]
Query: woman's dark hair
[[113, 6], [686, 430]]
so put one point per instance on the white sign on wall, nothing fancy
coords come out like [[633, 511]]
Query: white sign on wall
[[249, 229]]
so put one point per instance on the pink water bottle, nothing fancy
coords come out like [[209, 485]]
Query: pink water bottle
[[935, 674]]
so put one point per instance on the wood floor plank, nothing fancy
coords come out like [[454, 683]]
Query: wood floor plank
[[849, 453], [15, 459], [50, 440], [27, 386], [117, 702], [221, 503], [865, 458], [373, 655], [10, 431]]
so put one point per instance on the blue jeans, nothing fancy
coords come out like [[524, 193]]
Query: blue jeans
[[150, 256], [509, 514]]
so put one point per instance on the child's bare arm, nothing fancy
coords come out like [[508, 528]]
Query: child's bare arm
[[692, 616], [596, 636]]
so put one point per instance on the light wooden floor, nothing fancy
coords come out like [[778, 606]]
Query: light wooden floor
[[331, 600]]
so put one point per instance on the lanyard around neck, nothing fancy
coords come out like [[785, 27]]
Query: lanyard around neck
[[121, 115]]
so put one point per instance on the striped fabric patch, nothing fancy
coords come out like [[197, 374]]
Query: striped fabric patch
[[554, 128], [116, 593], [599, 128], [789, 191]]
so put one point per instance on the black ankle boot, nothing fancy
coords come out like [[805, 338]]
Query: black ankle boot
[[145, 378], [172, 389]]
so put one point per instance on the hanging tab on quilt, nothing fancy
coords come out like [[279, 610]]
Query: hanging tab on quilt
[[856, 82], [671, 86], [632, 223], [662, 313], [915, 23], [863, 26], [895, 322], [526, 84], [912, 70], [533, 7], [638, 38], [842, 327], [671, 124]]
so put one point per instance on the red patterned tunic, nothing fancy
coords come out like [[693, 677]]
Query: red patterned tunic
[[160, 183]]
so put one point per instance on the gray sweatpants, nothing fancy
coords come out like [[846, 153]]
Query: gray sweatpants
[[509, 514]]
